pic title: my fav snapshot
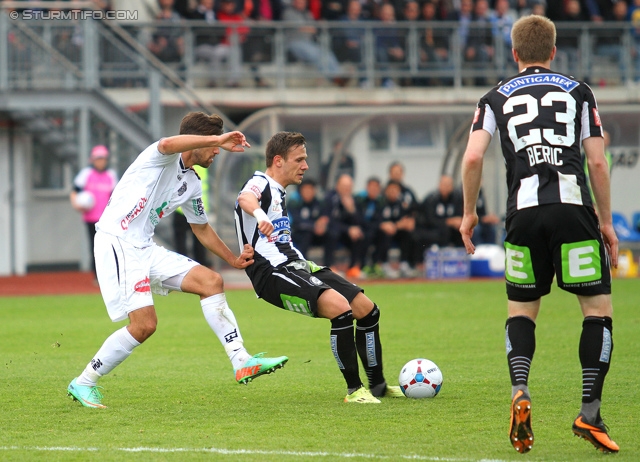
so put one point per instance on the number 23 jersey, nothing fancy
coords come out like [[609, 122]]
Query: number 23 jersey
[[543, 116]]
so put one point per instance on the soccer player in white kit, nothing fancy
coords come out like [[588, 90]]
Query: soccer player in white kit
[[130, 266]]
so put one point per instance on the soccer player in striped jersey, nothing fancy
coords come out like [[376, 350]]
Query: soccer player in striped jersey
[[283, 277], [552, 226], [130, 266]]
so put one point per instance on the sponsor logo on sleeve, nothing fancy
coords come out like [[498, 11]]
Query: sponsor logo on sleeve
[[255, 190], [198, 206], [476, 116], [596, 117]]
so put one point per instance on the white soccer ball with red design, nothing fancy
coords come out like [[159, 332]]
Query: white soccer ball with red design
[[420, 378]]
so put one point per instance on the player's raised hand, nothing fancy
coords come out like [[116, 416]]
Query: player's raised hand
[[234, 142], [466, 230]]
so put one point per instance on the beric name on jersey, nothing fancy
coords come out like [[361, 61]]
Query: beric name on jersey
[[278, 248], [543, 117]]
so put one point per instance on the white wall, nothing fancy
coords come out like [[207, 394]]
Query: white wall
[[38, 227], [625, 180], [5, 207]]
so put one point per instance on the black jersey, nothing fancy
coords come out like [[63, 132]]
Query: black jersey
[[543, 116], [275, 250]]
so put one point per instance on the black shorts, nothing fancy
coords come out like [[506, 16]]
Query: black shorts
[[298, 290], [557, 239]]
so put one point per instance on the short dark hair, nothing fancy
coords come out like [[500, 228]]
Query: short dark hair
[[199, 123], [281, 143]]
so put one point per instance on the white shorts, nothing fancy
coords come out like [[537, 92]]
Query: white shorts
[[128, 275]]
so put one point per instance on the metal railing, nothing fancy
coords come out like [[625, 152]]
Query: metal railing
[[89, 55], [113, 54]]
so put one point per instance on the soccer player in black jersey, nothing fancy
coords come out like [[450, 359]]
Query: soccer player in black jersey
[[282, 276], [552, 227]]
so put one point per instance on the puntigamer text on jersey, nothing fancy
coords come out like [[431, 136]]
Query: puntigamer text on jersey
[[541, 79]]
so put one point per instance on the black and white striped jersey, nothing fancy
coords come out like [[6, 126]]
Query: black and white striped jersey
[[276, 250], [542, 116]]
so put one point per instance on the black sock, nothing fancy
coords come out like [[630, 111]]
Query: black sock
[[596, 346], [343, 347], [520, 342], [369, 346]]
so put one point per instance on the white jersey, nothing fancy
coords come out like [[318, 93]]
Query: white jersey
[[153, 187]]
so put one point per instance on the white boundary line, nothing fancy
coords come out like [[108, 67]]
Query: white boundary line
[[343, 455]]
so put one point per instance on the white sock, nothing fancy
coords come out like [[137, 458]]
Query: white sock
[[223, 323], [113, 351]]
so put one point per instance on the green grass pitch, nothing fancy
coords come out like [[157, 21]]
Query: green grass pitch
[[176, 399]]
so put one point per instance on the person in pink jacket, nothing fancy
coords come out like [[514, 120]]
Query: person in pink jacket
[[92, 188]]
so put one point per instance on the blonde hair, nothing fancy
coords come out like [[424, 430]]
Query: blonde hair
[[533, 38]]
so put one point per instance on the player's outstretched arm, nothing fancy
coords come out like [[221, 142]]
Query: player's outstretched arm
[[471, 177], [232, 141], [210, 239]]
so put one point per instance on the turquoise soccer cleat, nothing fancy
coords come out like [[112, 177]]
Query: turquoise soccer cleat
[[257, 365], [88, 396]]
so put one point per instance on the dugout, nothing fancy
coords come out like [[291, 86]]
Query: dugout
[[40, 230], [428, 139]]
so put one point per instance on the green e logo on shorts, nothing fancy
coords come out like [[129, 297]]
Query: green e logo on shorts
[[581, 262], [518, 267], [296, 304]]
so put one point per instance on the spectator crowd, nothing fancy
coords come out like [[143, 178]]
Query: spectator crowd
[[356, 231], [483, 25], [483, 28]]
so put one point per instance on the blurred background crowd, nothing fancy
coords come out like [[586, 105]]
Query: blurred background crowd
[[481, 29], [357, 231]]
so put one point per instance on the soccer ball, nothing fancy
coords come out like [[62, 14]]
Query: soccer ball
[[85, 200], [420, 378]]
